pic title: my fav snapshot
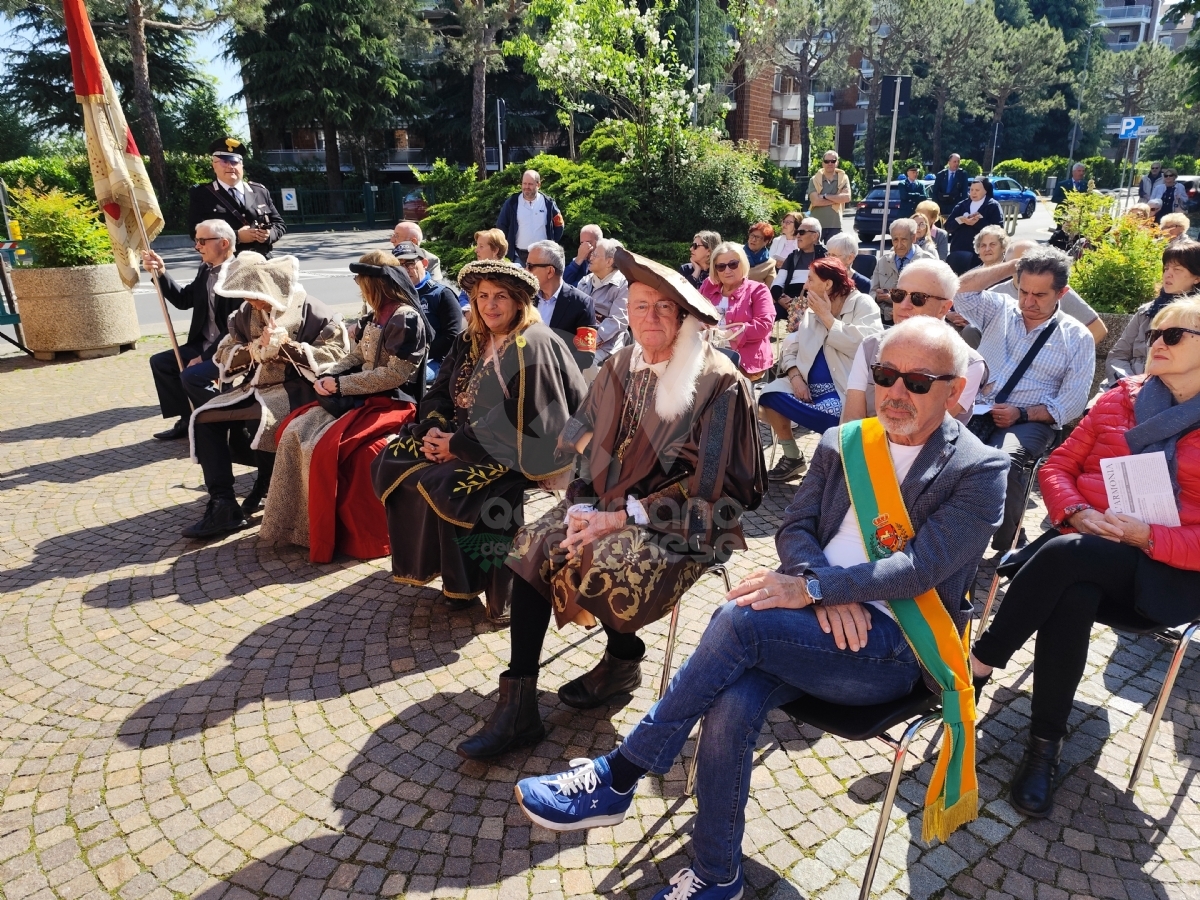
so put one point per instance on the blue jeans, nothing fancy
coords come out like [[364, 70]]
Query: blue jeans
[[748, 663]]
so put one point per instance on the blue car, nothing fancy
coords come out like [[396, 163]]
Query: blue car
[[868, 216], [1008, 190]]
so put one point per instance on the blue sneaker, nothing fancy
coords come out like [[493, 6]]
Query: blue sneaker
[[580, 798], [686, 885]]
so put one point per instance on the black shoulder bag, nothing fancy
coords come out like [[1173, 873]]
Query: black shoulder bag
[[983, 426]]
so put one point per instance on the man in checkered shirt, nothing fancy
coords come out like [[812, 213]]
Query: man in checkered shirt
[[1054, 389]]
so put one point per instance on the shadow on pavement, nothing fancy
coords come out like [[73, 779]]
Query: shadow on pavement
[[84, 426]]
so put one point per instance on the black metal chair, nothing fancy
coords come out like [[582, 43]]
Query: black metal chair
[[861, 723]]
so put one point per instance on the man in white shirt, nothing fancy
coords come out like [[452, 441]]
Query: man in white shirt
[[528, 217], [928, 287]]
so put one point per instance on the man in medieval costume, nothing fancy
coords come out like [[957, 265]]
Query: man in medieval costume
[[280, 341], [671, 443]]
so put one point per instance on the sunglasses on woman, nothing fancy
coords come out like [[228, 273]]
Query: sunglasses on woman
[[1170, 336], [918, 298], [727, 266], [696, 244], [915, 382]]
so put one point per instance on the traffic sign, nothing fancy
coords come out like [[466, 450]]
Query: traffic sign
[[289, 200], [1147, 131], [1130, 126]]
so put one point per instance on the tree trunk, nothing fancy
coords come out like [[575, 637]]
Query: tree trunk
[[144, 98], [333, 162], [804, 82], [571, 134], [478, 109], [997, 117], [938, 117]]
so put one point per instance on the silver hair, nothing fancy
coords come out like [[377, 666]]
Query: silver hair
[[995, 231], [608, 246], [844, 243], [592, 227], [1043, 259], [946, 279], [414, 228], [709, 239], [1017, 249], [534, 172], [933, 336], [810, 223], [907, 225], [554, 251], [222, 229]]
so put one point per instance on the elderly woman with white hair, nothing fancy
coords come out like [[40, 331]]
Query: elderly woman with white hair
[[609, 290], [844, 246], [745, 308], [991, 244]]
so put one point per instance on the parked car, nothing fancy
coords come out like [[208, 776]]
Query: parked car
[[1009, 190], [1192, 184], [868, 217]]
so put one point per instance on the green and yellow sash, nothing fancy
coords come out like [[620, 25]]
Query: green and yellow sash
[[953, 795]]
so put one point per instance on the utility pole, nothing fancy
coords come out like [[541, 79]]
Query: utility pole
[[887, 190]]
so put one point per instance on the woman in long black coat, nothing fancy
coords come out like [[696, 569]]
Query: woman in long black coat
[[967, 219]]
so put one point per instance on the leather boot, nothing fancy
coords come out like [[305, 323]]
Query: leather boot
[[262, 483], [1033, 786], [515, 722], [611, 676]]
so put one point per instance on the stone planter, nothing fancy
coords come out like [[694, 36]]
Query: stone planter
[[85, 309]]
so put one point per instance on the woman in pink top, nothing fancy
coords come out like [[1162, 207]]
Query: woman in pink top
[[742, 302]]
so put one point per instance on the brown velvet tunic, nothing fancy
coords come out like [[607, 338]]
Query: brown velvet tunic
[[455, 519], [694, 475]]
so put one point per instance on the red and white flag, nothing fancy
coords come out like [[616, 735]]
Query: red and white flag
[[122, 186]]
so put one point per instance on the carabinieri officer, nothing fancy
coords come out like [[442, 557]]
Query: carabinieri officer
[[246, 205]]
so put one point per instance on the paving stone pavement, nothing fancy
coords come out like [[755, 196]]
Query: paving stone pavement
[[230, 721]]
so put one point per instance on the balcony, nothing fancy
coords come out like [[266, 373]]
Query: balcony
[[301, 159], [727, 91], [1119, 46], [786, 155], [787, 106], [822, 101], [1125, 15]]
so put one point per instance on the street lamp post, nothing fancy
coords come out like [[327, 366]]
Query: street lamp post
[[1087, 53]]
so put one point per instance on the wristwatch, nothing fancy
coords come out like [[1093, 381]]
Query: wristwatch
[[814, 589], [1022, 415]]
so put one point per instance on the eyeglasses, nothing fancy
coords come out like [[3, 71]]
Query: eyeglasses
[[1170, 336], [696, 245], [663, 309], [728, 266], [918, 298], [808, 231], [829, 161], [200, 242], [915, 382], [530, 265]]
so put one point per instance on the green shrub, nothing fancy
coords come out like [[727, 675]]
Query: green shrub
[[62, 228], [1120, 272], [446, 182], [1105, 172], [713, 185], [1033, 173], [50, 172]]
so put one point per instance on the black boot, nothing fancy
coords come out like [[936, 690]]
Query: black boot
[[611, 676], [262, 483], [1033, 786], [221, 516], [515, 722]]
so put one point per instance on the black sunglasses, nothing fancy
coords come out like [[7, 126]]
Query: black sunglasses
[[696, 244], [918, 298], [1170, 336], [916, 382]]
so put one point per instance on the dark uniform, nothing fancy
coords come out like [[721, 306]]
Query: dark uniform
[[252, 207]]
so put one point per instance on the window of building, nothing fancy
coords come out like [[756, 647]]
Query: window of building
[[774, 134], [777, 84]]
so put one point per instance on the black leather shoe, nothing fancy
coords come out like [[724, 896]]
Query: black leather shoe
[[787, 468], [515, 721], [254, 500], [610, 677], [979, 682], [1033, 786], [220, 517], [460, 604], [175, 432]]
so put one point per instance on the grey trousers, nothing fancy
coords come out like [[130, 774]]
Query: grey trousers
[[1023, 444]]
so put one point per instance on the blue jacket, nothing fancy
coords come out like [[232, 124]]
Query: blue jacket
[[507, 222], [955, 498]]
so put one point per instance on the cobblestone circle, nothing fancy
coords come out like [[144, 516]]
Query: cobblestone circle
[[229, 721]]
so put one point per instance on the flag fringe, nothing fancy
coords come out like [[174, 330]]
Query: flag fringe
[[940, 823]]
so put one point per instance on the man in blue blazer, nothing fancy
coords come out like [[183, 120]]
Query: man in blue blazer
[[950, 185], [567, 311], [819, 625]]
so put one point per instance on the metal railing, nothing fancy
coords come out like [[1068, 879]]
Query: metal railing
[[1124, 13]]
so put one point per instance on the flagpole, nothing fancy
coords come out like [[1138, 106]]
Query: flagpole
[[137, 212]]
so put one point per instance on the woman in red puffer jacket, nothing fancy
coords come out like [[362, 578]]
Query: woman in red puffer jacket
[[1099, 564]]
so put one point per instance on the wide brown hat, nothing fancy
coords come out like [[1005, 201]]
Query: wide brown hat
[[522, 281], [666, 281]]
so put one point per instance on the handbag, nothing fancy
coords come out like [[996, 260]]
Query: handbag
[[982, 425]]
